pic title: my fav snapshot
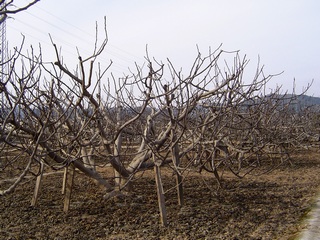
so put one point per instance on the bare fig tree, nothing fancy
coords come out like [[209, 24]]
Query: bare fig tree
[[206, 119]]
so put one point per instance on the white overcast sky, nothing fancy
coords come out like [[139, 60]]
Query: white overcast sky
[[285, 34]]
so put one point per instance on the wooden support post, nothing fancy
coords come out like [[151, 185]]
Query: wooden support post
[[64, 180], [38, 186], [179, 183], [179, 189], [68, 190], [174, 143], [160, 193], [118, 146], [176, 162]]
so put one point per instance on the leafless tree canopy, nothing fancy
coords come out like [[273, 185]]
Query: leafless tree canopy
[[11, 7], [208, 119]]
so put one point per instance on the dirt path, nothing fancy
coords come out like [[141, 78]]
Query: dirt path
[[311, 225]]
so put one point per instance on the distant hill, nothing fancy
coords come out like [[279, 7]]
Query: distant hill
[[296, 102], [308, 100], [300, 102], [303, 100]]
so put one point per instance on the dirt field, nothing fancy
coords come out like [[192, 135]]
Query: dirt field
[[271, 206]]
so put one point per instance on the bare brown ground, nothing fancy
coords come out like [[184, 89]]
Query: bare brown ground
[[271, 206]]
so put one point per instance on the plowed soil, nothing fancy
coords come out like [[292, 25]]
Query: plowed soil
[[269, 206]]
